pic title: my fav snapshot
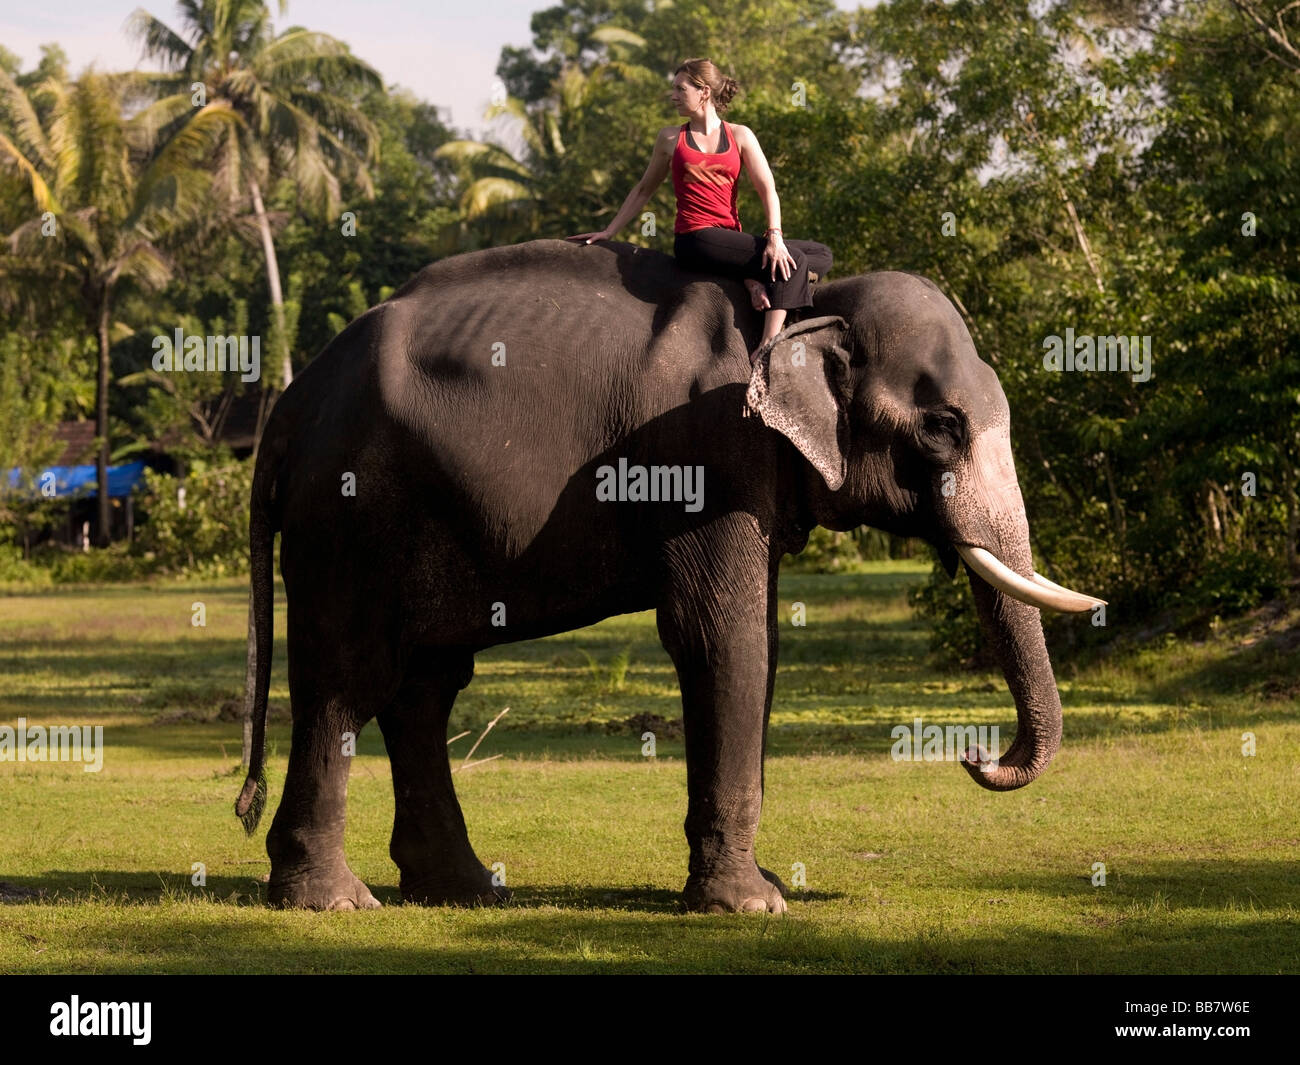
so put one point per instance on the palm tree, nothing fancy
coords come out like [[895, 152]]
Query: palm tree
[[500, 194], [503, 194], [295, 98], [99, 205]]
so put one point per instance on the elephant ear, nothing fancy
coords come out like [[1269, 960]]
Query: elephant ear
[[800, 388]]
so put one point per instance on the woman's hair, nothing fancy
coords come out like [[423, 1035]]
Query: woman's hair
[[703, 74]]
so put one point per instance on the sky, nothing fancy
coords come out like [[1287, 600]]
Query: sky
[[445, 51]]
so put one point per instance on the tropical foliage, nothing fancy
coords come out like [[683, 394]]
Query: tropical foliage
[[1094, 168]]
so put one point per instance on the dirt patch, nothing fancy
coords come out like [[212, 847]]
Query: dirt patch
[[229, 712], [175, 717], [17, 893], [639, 723]]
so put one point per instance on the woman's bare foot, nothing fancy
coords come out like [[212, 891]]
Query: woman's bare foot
[[757, 294], [753, 355], [772, 323]]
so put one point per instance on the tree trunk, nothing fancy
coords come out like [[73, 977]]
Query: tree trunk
[[103, 508], [272, 280], [1292, 518], [1212, 515], [1121, 519], [1079, 235]]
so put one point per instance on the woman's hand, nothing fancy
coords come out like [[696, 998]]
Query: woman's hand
[[780, 257], [587, 238]]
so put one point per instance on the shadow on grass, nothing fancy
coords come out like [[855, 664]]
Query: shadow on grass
[[1219, 884], [145, 889], [1247, 885], [642, 930], [1266, 671]]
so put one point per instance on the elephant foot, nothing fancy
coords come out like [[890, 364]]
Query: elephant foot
[[472, 888], [337, 889], [753, 890]]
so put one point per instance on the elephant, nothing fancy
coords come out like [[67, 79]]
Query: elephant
[[466, 465]]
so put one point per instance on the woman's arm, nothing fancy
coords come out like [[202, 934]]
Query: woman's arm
[[660, 162], [760, 174]]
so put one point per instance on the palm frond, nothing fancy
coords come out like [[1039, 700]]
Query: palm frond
[[158, 120], [16, 107], [342, 118], [298, 56], [157, 39], [514, 107], [552, 125], [617, 35], [143, 262], [489, 197], [571, 87], [298, 138], [41, 194], [474, 157], [93, 163]]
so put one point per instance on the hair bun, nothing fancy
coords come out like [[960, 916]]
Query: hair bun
[[726, 92]]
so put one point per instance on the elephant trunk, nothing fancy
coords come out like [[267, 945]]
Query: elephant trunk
[[1008, 595], [1015, 631]]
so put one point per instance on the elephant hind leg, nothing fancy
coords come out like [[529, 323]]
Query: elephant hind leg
[[305, 842], [333, 697], [430, 844]]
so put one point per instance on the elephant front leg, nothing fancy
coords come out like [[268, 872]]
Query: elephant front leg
[[721, 643]]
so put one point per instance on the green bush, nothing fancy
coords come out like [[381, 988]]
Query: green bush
[[209, 535], [14, 569], [827, 552], [844, 552], [1235, 581], [97, 566], [947, 606], [52, 564]]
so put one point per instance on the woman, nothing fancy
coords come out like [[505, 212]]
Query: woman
[[705, 157]]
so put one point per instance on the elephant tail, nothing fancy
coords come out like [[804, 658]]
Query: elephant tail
[[261, 600]]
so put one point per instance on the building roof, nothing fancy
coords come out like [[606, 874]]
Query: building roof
[[78, 439]]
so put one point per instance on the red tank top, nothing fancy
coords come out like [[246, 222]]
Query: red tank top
[[705, 184]]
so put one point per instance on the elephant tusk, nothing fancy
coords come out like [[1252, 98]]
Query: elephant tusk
[[1039, 592], [1038, 578]]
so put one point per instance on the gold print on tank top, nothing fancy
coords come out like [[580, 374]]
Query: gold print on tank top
[[707, 173]]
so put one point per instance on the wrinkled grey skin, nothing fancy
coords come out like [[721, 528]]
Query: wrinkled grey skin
[[476, 485]]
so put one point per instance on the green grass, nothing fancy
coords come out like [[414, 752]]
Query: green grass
[[910, 867]]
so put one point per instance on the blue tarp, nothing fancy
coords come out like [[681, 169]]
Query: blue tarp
[[80, 480]]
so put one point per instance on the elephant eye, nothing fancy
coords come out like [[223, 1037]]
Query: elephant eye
[[943, 430]]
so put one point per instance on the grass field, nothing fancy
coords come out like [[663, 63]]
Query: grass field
[[909, 866]]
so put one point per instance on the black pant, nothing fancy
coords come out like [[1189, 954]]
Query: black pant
[[740, 255]]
